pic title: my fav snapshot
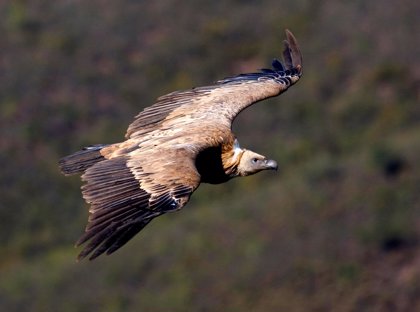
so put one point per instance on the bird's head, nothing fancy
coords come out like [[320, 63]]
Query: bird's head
[[251, 163]]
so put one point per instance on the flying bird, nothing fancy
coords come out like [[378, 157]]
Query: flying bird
[[182, 140]]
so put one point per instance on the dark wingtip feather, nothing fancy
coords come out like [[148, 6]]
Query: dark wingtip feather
[[293, 52], [277, 65], [287, 56], [292, 64], [110, 240], [96, 241]]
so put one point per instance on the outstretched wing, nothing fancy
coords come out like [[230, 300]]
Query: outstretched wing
[[127, 192], [221, 102]]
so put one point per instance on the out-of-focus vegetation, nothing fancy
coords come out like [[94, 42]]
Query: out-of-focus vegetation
[[336, 229]]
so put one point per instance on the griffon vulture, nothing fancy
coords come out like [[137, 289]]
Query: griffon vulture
[[184, 139]]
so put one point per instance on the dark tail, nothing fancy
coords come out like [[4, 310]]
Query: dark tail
[[81, 160]]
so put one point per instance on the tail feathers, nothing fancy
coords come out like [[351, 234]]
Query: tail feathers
[[81, 160]]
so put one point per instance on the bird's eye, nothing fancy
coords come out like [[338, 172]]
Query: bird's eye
[[254, 160]]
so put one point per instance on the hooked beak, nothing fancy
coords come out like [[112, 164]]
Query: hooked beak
[[271, 164]]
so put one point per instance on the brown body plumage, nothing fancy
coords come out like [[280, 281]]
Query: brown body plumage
[[184, 139]]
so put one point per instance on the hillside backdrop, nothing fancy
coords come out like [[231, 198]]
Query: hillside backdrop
[[337, 228]]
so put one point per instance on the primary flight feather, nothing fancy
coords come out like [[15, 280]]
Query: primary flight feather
[[184, 139]]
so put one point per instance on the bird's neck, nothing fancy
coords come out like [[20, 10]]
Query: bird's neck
[[231, 156]]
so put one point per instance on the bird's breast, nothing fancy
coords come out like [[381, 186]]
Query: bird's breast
[[210, 166]]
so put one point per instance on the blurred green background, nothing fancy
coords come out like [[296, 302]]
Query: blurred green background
[[336, 229]]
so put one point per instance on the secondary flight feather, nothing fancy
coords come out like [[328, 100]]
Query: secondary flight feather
[[182, 140]]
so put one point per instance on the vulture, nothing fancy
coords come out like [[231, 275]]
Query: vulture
[[182, 140]]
